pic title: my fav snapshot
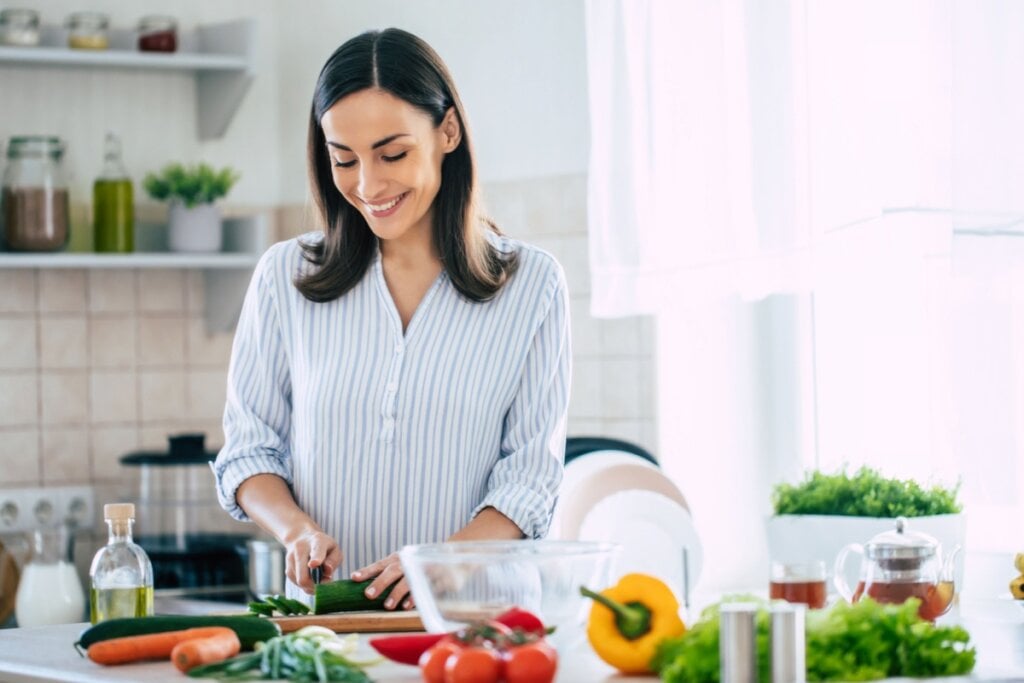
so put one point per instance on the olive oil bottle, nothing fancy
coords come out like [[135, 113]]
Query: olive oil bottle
[[112, 203], [121, 573]]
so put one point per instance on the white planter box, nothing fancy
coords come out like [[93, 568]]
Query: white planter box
[[804, 538]]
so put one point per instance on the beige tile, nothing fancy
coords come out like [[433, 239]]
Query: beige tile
[[621, 396], [574, 203], [628, 430], [572, 254], [112, 291], [586, 331], [112, 342], [108, 445], [585, 397], [584, 427], [161, 341], [506, 205], [162, 291], [19, 288], [648, 389], [19, 457], [66, 455], [647, 335], [207, 392], [18, 341], [19, 399], [544, 207], [162, 395], [194, 292], [65, 397], [208, 349], [63, 342], [112, 397], [61, 291], [620, 336]]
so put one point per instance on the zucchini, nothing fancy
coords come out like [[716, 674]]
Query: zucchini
[[347, 596], [250, 630]]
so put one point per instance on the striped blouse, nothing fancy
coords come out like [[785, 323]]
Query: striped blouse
[[388, 438]]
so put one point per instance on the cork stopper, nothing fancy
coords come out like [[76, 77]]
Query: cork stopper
[[119, 512]]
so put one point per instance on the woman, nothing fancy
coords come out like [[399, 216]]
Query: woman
[[402, 377]]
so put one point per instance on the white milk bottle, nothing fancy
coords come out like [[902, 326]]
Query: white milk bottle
[[49, 591]]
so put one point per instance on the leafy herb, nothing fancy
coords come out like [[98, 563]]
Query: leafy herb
[[860, 642], [277, 603], [864, 494], [193, 185]]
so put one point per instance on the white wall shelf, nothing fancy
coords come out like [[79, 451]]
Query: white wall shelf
[[220, 56], [226, 274]]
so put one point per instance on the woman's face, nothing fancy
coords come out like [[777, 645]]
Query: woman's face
[[386, 159]]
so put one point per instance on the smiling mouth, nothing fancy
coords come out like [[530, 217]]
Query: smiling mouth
[[387, 207]]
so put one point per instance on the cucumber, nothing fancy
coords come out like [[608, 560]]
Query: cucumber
[[250, 630], [347, 596]]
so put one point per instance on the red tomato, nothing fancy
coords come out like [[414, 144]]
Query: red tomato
[[433, 660], [473, 665], [532, 663]]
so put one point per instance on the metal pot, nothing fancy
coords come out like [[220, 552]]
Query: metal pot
[[266, 567]]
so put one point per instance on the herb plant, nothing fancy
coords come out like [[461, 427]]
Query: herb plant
[[192, 185], [861, 642], [866, 493]]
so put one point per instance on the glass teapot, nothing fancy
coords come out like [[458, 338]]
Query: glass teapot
[[901, 564]]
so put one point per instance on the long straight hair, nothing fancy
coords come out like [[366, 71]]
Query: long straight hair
[[399, 63]]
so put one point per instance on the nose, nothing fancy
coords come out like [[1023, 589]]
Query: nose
[[371, 181]]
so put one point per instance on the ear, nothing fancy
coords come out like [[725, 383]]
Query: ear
[[451, 131]]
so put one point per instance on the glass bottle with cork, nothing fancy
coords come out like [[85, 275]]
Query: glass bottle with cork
[[113, 205], [121, 573]]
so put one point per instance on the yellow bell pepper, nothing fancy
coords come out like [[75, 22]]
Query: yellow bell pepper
[[628, 620]]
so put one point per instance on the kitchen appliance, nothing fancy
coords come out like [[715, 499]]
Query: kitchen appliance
[[177, 513]]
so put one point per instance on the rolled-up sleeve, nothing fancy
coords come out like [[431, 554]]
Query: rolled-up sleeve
[[523, 485], [257, 416]]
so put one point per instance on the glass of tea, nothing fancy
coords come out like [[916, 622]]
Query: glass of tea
[[802, 582]]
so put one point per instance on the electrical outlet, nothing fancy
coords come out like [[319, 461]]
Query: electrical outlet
[[26, 509]]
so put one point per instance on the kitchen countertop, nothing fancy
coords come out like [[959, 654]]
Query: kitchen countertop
[[45, 653]]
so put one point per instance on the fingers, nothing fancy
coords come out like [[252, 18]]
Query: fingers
[[388, 573], [315, 550]]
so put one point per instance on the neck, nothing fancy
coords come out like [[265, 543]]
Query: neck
[[414, 249]]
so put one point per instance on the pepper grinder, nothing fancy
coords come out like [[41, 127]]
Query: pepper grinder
[[737, 642], [788, 648]]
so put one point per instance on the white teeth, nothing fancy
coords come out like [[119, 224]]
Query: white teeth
[[384, 207]]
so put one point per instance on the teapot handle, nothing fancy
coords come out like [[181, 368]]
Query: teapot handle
[[839, 577]]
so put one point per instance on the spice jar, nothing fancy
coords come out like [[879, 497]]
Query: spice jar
[[158, 33], [88, 31], [19, 27], [34, 195]]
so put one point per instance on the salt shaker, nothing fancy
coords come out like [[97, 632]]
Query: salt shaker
[[787, 638], [737, 642]]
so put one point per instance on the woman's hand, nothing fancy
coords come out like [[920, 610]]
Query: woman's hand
[[385, 573], [311, 548]]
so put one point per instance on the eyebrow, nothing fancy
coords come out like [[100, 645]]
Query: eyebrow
[[379, 143]]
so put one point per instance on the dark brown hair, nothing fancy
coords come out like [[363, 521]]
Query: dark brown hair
[[403, 65]]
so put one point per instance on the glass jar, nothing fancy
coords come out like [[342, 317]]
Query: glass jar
[[158, 33], [19, 27], [88, 31], [34, 196], [49, 591]]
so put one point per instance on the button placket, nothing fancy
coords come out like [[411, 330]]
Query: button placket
[[388, 409]]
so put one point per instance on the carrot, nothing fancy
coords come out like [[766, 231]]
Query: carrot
[[148, 646], [207, 650]]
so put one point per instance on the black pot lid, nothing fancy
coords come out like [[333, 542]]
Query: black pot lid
[[183, 449]]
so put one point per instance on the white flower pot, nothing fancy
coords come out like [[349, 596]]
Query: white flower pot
[[196, 229], [804, 538]]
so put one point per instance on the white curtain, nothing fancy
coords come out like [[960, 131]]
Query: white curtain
[[855, 167]]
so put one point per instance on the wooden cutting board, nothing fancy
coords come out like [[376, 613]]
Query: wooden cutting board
[[355, 622]]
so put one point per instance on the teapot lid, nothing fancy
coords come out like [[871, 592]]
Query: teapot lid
[[901, 544]]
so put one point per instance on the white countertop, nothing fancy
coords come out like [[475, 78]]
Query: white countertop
[[46, 653]]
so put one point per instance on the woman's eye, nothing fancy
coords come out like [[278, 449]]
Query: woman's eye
[[344, 164], [397, 157]]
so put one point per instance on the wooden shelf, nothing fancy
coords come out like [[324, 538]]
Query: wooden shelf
[[136, 260]]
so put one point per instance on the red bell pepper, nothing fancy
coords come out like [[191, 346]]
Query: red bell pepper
[[407, 648]]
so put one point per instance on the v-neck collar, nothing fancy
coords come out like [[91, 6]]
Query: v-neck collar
[[389, 301]]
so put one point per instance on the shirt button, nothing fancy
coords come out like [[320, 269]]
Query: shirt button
[[399, 349], [392, 386]]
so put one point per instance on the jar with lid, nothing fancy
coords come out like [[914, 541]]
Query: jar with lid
[[158, 33], [88, 31], [19, 27], [35, 195]]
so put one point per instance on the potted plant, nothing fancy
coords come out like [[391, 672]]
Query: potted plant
[[815, 518], [194, 223]]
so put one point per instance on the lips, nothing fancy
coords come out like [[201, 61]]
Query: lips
[[385, 209]]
